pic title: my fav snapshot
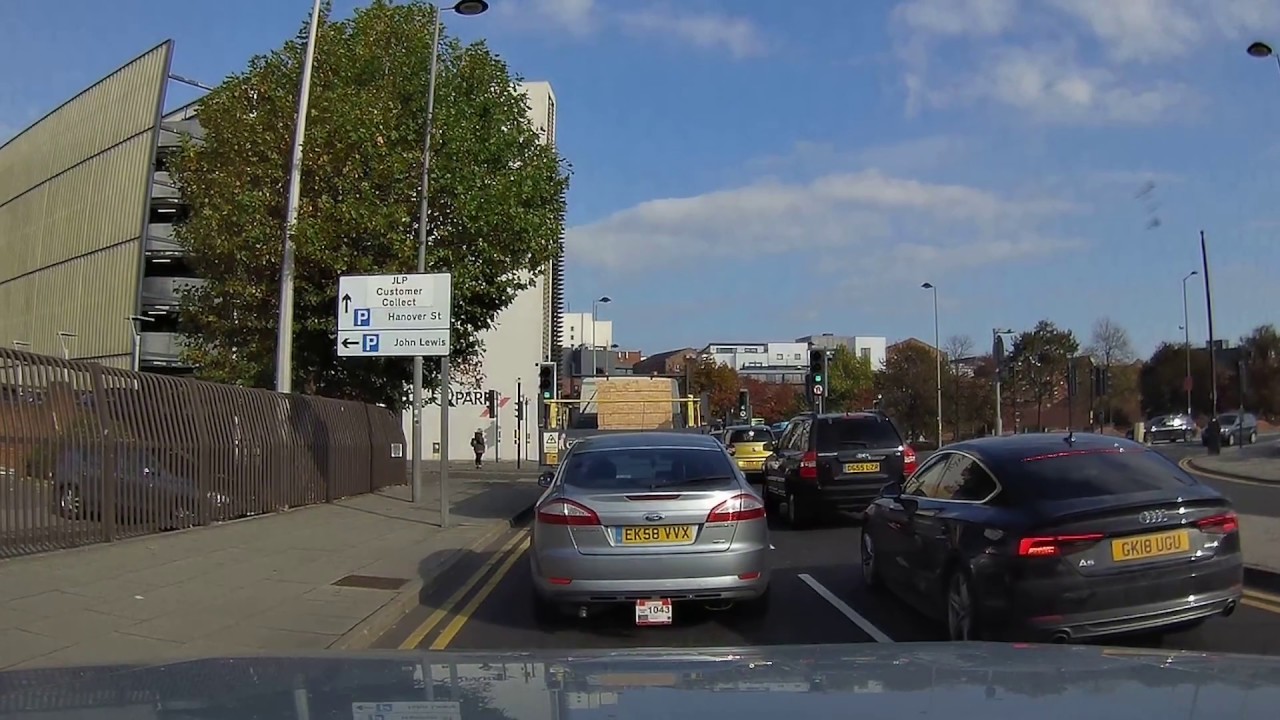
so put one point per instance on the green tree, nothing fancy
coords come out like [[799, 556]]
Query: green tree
[[1039, 361], [497, 197], [1261, 353], [849, 380]]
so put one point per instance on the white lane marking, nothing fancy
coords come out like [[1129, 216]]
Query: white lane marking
[[862, 623]]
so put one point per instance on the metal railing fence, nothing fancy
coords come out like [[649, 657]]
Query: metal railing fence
[[94, 454]]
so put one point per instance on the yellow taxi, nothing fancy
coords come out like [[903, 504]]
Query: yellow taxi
[[746, 445]]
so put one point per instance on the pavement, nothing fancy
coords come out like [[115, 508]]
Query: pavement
[[324, 576]]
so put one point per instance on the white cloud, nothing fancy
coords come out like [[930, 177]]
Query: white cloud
[[1054, 89], [957, 17], [736, 35], [1067, 61], [1138, 30], [867, 212]]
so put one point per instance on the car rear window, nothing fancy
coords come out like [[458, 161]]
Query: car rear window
[[1227, 419], [1088, 474], [644, 468], [756, 435], [856, 431]]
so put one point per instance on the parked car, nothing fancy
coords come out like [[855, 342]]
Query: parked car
[[1237, 429], [652, 520], [1054, 537]]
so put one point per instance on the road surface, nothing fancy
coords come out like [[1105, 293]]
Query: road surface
[[818, 598]]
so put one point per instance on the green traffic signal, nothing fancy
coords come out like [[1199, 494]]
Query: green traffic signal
[[546, 395], [817, 379]]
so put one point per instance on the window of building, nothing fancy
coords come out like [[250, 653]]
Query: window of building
[[798, 356], [865, 353]]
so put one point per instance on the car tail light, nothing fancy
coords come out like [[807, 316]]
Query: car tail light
[[1053, 545], [909, 462], [809, 466], [736, 509], [567, 512], [1219, 524]]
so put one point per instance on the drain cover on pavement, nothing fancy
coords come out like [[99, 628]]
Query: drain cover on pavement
[[371, 582]]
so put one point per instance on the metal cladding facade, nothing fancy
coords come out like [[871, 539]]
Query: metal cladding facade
[[74, 194]]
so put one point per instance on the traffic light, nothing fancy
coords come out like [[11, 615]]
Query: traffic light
[[1101, 381], [491, 399], [744, 404], [817, 372], [547, 381], [520, 409]]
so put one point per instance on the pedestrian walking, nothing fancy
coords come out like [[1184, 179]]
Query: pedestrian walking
[[477, 446]]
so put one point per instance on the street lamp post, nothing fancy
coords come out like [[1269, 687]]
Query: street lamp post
[[136, 331], [937, 351], [997, 353], [284, 327], [1215, 439], [1262, 51], [63, 336], [1186, 334], [604, 300], [464, 8]]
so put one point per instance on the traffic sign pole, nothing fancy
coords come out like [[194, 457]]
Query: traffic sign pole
[[403, 315]]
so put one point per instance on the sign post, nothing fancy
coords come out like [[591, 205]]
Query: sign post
[[403, 315]]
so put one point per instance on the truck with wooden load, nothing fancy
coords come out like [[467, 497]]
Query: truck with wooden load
[[614, 404]]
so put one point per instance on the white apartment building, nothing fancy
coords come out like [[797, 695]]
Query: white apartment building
[[524, 334], [745, 356], [871, 348], [578, 329]]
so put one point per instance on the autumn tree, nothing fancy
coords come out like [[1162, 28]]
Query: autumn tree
[[773, 401], [849, 380], [906, 387], [720, 382], [1039, 360], [958, 348], [497, 197]]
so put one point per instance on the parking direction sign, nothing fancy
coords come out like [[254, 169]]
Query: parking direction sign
[[394, 315]]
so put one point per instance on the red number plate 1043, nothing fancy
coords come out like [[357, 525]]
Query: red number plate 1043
[[653, 612]]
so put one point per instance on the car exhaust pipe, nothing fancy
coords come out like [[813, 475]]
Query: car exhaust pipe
[[1061, 637], [1230, 608], [720, 606]]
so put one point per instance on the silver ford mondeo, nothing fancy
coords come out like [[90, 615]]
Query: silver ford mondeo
[[650, 519]]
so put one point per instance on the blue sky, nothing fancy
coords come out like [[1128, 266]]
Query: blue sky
[[761, 170]]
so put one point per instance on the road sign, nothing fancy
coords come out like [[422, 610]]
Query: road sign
[[419, 710], [817, 389], [394, 315]]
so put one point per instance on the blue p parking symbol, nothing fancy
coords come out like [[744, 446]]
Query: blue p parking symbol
[[369, 343], [362, 316]]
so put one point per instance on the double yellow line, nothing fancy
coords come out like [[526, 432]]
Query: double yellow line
[[503, 559]]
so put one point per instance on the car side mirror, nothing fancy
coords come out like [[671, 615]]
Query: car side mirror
[[891, 489], [768, 447], [544, 480], [909, 504]]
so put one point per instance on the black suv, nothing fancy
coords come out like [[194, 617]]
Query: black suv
[[834, 463]]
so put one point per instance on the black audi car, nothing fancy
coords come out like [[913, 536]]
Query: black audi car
[[1054, 537]]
